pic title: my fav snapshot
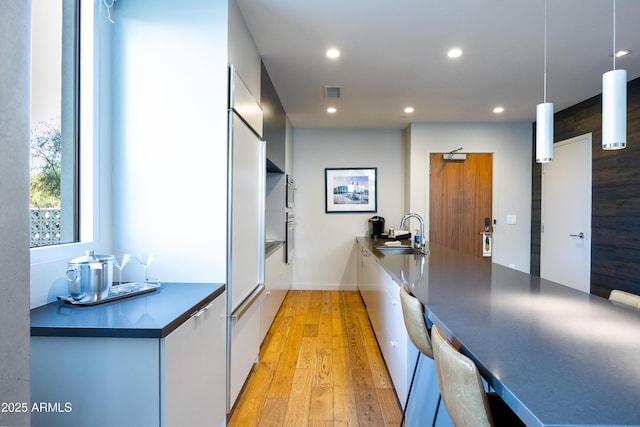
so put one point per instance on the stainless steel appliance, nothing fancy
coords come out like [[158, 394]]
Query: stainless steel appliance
[[291, 192], [245, 233], [289, 237]]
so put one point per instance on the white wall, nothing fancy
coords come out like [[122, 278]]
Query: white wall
[[325, 243], [511, 145], [243, 53], [15, 26], [170, 137]]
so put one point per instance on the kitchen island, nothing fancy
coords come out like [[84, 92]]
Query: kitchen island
[[156, 359], [557, 356]]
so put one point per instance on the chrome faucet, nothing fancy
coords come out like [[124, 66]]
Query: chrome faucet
[[421, 243]]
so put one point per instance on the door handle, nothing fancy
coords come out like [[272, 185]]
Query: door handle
[[580, 235], [247, 303]]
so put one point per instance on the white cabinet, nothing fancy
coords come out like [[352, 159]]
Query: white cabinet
[[193, 361], [372, 287], [245, 345], [106, 381], [249, 330], [91, 375], [277, 281], [381, 295], [394, 341]]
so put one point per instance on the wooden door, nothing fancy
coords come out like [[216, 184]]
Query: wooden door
[[460, 200]]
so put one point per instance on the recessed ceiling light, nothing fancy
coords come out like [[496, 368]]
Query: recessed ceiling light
[[408, 110], [333, 53], [331, 110], [498, 110], [454, 53], [622, 52]]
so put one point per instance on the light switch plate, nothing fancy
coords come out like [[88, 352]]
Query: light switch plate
[[511, 220]]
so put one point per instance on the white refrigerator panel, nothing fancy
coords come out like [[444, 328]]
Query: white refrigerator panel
[[246, 270], [244, 103]]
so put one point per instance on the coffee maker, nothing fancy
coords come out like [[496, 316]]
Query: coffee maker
[[376, 226]]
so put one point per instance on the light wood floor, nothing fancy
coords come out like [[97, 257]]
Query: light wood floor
[[319, 365]]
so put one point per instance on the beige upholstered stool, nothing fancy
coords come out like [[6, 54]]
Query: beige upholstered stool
[[414, 321], [626, 298], [462, 391]]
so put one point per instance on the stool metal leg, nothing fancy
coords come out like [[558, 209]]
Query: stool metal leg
[[413, 377], [435, 416], [406, 404]]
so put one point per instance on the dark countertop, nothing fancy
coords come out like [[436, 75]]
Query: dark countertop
[[152, 315], [271, 246], [556, 355]]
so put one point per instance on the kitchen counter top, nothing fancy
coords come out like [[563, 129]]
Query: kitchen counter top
[[272, 246], [151, 315], [557, 356]]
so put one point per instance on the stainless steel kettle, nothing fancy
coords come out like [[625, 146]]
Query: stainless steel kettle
[[90, 277]]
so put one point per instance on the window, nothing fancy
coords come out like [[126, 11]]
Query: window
[[55, 94]]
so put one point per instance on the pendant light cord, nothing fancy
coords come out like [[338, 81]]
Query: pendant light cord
[[545, 52], [614, 34]]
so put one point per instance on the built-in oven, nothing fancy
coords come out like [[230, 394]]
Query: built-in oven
[[291, 190], [289, 238]]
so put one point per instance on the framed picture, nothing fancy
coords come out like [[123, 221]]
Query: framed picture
[[350, 190]]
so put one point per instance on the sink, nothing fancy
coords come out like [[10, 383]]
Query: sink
[[399, 250]]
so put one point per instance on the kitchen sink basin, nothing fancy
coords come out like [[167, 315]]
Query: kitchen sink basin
[[399, 250]]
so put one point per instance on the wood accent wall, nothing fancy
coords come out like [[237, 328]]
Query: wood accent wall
[[615, 222]]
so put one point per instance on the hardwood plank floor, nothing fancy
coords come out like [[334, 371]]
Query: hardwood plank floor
[[319, 365]]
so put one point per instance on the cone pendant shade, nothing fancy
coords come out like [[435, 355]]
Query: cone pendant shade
[[544, 132], [614, 110]]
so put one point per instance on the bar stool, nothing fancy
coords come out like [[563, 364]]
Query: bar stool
[[462, 391], [418, 331], [626, 298]]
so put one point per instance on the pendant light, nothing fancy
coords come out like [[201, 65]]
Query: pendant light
[[544, 113], [614, 102]]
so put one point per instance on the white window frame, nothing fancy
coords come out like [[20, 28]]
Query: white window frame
[[89, 162]]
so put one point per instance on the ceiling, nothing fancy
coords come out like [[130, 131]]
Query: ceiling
[[394, 54]]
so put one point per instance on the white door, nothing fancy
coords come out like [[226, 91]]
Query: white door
[[565, 251]]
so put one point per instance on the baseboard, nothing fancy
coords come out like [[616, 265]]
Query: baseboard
[[324, 286]]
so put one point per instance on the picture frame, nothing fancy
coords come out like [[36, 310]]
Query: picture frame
[[349, 190]]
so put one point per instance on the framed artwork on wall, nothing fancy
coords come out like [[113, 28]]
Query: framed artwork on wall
[[350, 190]]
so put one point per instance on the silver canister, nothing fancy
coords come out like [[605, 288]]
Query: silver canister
[[90, 277]]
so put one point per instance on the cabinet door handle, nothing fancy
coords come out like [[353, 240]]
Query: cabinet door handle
[[394, 344], [203, 309], [244, 306]]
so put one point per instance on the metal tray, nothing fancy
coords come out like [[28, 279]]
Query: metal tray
[[117, 292]]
